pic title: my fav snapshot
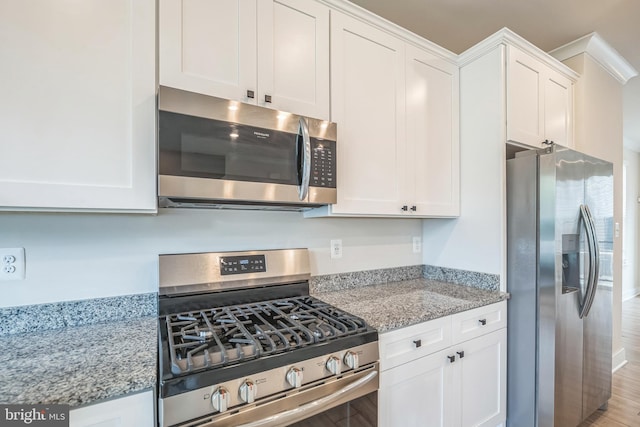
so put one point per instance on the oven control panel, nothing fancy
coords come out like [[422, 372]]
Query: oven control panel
[[242, 264]]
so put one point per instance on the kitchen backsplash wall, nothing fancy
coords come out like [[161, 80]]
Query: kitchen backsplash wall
[[80, 256]]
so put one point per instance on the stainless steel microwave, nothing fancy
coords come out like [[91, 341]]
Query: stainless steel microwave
[[219, 153]]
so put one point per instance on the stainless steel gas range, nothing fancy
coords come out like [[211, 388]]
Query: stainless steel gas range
[[242, 343]]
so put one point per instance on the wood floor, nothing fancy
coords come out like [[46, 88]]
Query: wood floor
[[624, 405]]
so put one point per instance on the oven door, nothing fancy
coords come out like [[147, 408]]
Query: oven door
[[350, 400]]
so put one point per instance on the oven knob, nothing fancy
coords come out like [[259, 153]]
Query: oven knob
[[334, 365], [220, 399], [248, 391], [351, 360], [294, 377]]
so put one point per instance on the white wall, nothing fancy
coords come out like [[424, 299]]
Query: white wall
[[81, 256], [475, 241], [630, 240]]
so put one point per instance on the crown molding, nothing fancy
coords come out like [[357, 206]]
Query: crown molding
[[506, 36], [598, 49], [371, 18]]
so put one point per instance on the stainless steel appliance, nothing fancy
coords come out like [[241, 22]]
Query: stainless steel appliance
[[243, 344], [219, 153], [560, 245]]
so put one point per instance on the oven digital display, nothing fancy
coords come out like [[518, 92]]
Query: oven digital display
[[242, 264]]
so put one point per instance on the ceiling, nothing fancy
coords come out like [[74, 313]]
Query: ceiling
[[459, 24]]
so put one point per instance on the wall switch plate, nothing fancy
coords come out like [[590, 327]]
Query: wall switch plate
[[336, 248], [12, 264], [417, 244]]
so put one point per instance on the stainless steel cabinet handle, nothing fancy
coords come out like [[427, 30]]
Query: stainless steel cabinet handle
[[303, 130], [310, 408], [251, 94]]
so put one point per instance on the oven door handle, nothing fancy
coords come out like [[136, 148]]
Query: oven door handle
[[311, 408]]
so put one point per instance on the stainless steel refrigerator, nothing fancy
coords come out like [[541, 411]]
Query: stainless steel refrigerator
[[559, 274]]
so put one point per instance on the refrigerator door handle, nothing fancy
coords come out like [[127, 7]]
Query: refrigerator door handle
[[586, 222], [596, 270]]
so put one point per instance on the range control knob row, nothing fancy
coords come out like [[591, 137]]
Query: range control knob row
[[248, 391], [334, 365], [294, 377], [351, 360], [220, 399]]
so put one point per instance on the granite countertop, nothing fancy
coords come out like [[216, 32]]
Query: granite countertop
[[79, 365], [399, 304]]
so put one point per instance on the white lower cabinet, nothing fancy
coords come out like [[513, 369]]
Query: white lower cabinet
[[136, 410], [480, 377], [417, 393], [463, 385]]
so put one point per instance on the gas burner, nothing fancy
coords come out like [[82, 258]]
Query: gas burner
[[228, 335]]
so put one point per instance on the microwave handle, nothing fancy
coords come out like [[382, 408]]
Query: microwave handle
[[306, 160]]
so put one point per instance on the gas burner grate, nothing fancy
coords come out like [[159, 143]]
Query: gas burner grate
[[227, 335]]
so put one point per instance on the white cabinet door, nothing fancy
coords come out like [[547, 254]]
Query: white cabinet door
[[525, 102], [539, 102], [482, 377], [417, 394], [367, 102], [274, 53], [136, 410], [558, 109], [78, 105], [432, 102], [293, 56], [209, 47]]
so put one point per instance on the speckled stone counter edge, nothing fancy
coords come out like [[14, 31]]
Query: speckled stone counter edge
[[489, 282], [31, 318]]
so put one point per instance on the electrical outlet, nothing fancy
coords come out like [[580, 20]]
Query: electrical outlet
[[13, 264], [417, 244], [336, 248]]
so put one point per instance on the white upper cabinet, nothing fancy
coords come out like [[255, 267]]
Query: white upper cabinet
[[539, 102], [432, 111], [209, 47], [273, 53], [293, 56], [78, 105], [396, 107], [367, 103]]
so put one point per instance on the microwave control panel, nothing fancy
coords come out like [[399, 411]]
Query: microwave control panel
[[242, 264], [323, 163]]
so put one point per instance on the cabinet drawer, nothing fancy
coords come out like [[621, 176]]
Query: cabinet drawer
[[479, 321], [407, 344]]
